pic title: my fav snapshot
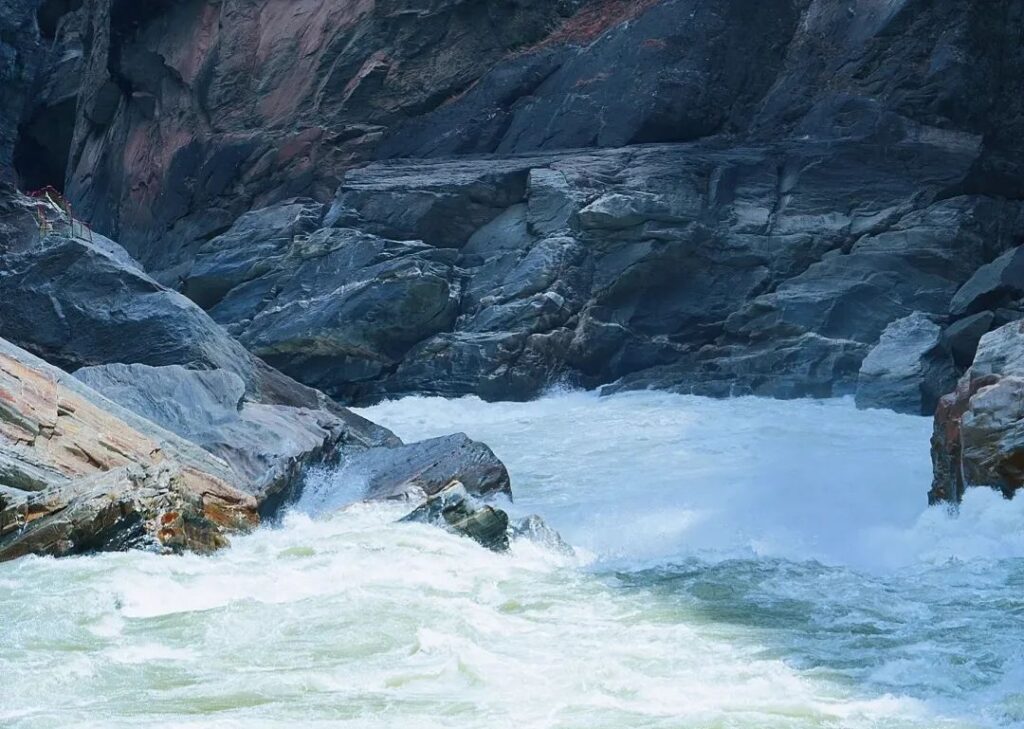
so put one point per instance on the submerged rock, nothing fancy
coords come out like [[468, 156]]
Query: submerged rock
[[534, 529], [79, 473], [454, 509]]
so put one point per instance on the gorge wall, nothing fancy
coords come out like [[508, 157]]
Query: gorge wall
[[449, 196]]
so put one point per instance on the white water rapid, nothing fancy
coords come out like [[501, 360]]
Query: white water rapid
[[741, 563]]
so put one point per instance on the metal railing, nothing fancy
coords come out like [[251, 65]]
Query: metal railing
[[52, 208]]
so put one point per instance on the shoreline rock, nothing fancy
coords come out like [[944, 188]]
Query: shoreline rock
[[79, 473], [978, 435]]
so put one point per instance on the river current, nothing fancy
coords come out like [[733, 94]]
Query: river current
[[739, 563]]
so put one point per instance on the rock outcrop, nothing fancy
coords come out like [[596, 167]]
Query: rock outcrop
[[627, 193], [21, 53], [692, 267], [79, 300], [979, 428], [811, 184], [909, 370], [79, 473]]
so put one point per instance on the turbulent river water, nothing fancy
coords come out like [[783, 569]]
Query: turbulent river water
[[740, 563]]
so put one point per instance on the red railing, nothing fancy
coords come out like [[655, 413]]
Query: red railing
[[50, 204]]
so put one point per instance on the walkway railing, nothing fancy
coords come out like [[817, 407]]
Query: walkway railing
[[53, 208]]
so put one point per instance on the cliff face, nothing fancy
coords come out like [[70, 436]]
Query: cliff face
[[791, 197], [191, 113]]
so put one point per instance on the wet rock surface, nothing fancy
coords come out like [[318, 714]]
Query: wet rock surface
[[454, 509], [979, 428], [647, 195], [155, 357]]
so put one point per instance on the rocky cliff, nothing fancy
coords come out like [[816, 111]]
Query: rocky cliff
[[742, 212], [448, 196]]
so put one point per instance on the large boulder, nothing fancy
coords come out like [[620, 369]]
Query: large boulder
[[908, 370], [979, 428], [84, 303], [409, 472], [79, 473], [993, 286]]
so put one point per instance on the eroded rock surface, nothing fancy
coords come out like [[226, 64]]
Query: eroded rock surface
[[156, 354], [78, 473], [840, 169], [770, 269], [979, 428]]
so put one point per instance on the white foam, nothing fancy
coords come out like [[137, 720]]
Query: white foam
[[351, 620]]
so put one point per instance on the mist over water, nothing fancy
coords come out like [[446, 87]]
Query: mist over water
[[741, 563]]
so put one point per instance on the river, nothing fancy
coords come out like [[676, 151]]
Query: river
[[739, 563]]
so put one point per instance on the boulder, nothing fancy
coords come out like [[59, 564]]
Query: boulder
[[534, 529], [908, 370], [992, 286], [962, 336], [79, 473], [978, 438], [453, 508], [427, 467]]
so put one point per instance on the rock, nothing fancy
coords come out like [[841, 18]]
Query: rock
[[908, 370], [690, 267], [21, 54], [962, 337], [343, 306], [647, 193], [978, 438], [452, 508], [992, 286], [427, 467], [80, 473], [141, 344], [48, 115], [534, 529], [267, 446], [249, 249], [169, 94]]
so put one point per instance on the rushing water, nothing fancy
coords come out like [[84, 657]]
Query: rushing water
[[742, 563]]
